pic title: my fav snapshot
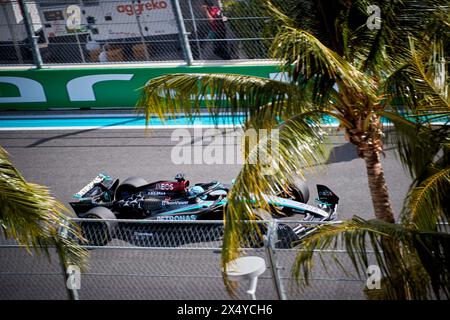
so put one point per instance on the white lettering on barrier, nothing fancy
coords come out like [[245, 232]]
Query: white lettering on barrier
[[78, 89], [29, 90], [82, 88]]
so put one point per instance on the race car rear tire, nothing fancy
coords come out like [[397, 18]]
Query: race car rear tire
[[98, 233], [128, 187]]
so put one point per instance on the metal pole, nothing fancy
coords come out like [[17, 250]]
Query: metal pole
[[138, 20], [194, 23], [182, 32], [80, 48], [271, 240], [72, 294], [32, 38]]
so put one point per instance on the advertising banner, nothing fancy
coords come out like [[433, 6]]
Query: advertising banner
[[109, 20], [96, 87]]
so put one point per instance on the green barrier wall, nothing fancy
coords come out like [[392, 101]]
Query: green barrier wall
[[103, 87]]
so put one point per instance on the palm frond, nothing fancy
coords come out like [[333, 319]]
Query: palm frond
[[370, 48], [300, 146], [314, 60], [380, 49], [424, 206], [403, 255], [420, 83], [278, 15], [416, 143], [419, 146], [240, 97], [31, 216]]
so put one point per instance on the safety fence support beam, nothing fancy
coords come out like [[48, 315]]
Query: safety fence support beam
[[271, 240], [37, 59], [69, 273], [182, 32], [141, 32]]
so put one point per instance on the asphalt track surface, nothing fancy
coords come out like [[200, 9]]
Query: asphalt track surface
[[65, 161]]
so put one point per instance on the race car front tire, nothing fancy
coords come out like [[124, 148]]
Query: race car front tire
[[98, 233]]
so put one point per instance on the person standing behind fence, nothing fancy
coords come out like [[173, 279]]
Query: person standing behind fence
[[218, 30], [103, 56], [93, 48]]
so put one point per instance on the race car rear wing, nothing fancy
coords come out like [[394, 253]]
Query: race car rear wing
[[326, 196]]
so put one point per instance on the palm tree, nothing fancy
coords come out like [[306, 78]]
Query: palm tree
[[338, 67], [421, 241], [31, 216]]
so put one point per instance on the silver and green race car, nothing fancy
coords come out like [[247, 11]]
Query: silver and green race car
[[117, 205]]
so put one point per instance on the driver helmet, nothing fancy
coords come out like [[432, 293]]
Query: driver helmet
[[195, 190]]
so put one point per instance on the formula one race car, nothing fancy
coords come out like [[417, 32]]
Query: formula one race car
[[135, 199]]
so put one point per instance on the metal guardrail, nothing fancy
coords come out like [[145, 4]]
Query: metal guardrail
[[181, 262], [46, 32]]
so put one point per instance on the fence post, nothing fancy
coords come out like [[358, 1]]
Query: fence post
[[32, 38], [182, 32], [194, 24], [77, 37], [72, 293], [138, 21], [271, 240]]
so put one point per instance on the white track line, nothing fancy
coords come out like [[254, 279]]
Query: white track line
[[197, 126], [99, 115]]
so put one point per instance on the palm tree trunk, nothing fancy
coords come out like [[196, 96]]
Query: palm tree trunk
[[395, 285], [377, 185]]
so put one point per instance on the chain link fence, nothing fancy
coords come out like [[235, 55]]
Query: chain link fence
[[131, 31], [173, 260]]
